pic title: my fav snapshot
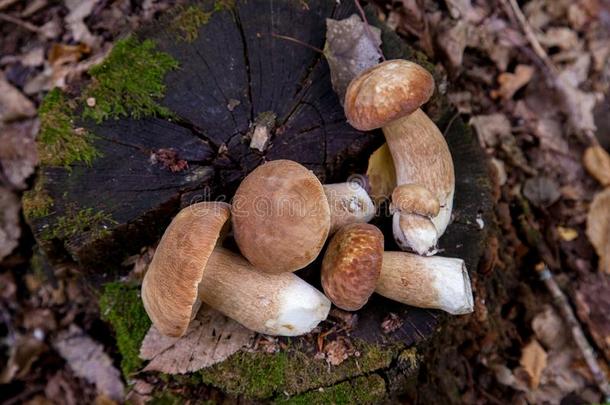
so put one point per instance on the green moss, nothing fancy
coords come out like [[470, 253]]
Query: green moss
[[77, 222], [37, 203], [129, 81], [121, 306], [259, 375], [188, 21], [59, 143], [362, 390], [255, 375]]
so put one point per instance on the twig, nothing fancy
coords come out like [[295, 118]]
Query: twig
[[367, 28], [24, 24], [297, 41], [587, 351], [7, 3]]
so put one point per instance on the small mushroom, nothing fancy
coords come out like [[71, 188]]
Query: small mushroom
[[349, 203], [351, 265], [388, 96], [282, 215], [426, 282], [188, 268]]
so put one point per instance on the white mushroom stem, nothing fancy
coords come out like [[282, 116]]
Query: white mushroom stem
[[426, 282], [421, 156], [349, 203], [274, 304]]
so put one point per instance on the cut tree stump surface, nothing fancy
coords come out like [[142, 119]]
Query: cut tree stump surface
[[231, 74]]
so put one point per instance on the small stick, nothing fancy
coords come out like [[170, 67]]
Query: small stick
[[587, 351], [369, 34], [297, 41], [24, 24]]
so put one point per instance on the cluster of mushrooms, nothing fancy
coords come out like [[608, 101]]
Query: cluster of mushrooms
[[282, 216]]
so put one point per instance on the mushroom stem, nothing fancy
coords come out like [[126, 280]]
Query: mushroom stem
[[274, 304], [349, 203], [421, 156], [426, 282]]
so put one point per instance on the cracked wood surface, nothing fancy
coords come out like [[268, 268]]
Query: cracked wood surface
[[235, 57]]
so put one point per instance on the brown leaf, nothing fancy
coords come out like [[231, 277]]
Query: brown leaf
[[592, 303], [18, 152], [24, 351], [510, 83], [541, 191], [549, 328], [10, 231], [491, 128], [391, 323], [87, 360], [61, 54], [598, 228], [381, 174], [533, 360], [338, 351], [597, 163], [350, 48], [13, 104], [210, 338]]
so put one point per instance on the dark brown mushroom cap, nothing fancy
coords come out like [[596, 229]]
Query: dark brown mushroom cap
[[352, 264], [170, 286], [387, 92], [281, 216]]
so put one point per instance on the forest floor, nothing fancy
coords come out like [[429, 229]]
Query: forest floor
[[532, 79]]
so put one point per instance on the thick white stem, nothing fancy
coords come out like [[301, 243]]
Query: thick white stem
[[421, 156], [275, 304], [349, 203], [426, 282]]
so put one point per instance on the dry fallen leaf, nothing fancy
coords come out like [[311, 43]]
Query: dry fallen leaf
[[381, 174], [491, 128], [510, 83], [598, 228], [549, 328], [10, 231], [592, 299], [350, 48], [87, 359], [567, 234], [13, 104], [541, 191], [533, 360], [210, 338], [61, 54], [24, 351], [338, 351], [597, 163], [18, 152]]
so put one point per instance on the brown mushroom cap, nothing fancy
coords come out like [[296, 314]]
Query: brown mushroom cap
[[170, 286], [415, 199], [386, 92], [281, 216], [352, 264]]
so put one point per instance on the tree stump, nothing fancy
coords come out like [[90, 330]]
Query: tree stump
[[168, 119]]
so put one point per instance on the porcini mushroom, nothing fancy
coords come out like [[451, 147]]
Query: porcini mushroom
[[188, 268], [349, 203], [426, 282], [388, 96], [354, 264], [351, 265]]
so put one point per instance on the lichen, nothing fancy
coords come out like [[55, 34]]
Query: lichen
[[129, 82], [362, 390], [121, 306], [37, 202], [76, 222], [259, 375], [59, 142]]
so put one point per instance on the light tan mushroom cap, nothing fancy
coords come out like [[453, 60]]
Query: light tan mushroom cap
[[352, 264], [415, 199], [281, 216], [386, 92], [170, 286]]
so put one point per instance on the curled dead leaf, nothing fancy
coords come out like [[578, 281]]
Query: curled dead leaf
[[597, 163], [210, 338], [533, 361], [510, 83], [381, 174], [598, 228]]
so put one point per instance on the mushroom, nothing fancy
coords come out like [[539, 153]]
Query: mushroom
[[349, 203], [388, 96], [351, 265], [282, 215], [355, 264], [426, 282], [188, 268]]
